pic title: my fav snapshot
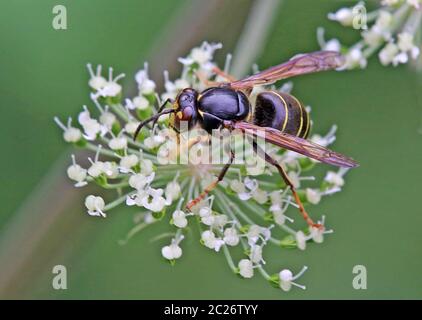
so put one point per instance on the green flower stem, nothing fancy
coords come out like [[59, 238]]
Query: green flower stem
[[116, 185], [373, 15], [118, 201], [136, 144], [104, 152], [413, 22], [264, 273], [130, 150], [255, 208], [120, 111], [163, 236], [136, 229], [228, 205], [229, 259]]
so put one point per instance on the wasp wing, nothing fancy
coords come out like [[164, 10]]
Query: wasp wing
[[299, 145], [299, 64]]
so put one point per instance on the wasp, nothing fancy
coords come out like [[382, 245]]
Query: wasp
[[278, 118]]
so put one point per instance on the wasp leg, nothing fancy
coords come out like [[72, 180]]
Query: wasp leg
[[208, 83], [223, 74], [288, 182], [161, 109], [214, 184]]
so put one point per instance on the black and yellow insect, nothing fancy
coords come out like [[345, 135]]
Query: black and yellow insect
[[277, 117]]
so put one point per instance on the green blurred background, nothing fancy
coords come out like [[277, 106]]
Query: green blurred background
[[377, 218]]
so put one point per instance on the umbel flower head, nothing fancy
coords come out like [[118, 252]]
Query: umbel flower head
[[393, 31], [250, 209]]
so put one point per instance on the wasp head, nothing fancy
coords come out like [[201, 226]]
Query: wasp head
[[186, 113]]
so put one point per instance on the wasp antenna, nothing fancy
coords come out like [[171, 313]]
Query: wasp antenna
[[153, 118]]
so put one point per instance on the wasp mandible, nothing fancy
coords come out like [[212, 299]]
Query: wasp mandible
[[279, 118]]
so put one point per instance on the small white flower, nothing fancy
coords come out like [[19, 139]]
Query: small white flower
[[237, 186], [251, 185], [345, 16], [278, 208], [384, 19], [330, 45], [206, 215], [336, 178], [260, 196], [326, 140], [231, 237], [179, 219], [96, 81], [154, 141], [128, 162], [355, 58], [286, 279], [91, 129], [96, 169], [138, 181], [173, 251], [202, 56], [220, 220], [313, 195], [141, 103], [147, 167], [256, 254], [388, 53], [145, 85], [84, 116], [153, 200], [406, 44], [256, 232], [95, 206], [70, 134], [400, 58], [211, 241], [91, 126], [77, 173], [405, 41], [111, 169], [111, 87], [118, 143], [317, 234], [131, 127], [107, 118], [245, 268], [173, 190]]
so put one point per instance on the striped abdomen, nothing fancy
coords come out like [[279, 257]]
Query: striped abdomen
[[281, 111]]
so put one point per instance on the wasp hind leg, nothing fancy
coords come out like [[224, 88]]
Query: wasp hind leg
[[288, 182], [219, 72], [213, 185], [223, 74]]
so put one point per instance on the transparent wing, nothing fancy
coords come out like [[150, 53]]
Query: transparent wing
[[300, 64], [299, 145]]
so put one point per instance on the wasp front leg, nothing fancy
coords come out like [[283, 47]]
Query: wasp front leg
[[288, 182]]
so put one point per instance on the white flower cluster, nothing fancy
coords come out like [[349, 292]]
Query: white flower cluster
[[246, 212], [392, 33]]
